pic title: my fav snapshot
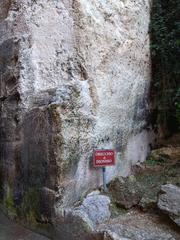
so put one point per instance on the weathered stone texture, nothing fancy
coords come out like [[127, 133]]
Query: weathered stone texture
[[4, 8], [74, 77], [169, 202], [138, 226], [126, 192]]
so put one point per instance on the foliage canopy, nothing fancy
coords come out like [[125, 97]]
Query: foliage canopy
[[165, 50]]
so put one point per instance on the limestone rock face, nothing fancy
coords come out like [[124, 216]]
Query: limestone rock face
[[74, 77], [169, 202]]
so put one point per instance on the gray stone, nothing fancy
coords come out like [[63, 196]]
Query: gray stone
[[96, 207], [126, 192], [148, 202], [108, 235], [169, 202], [81, 222], [122, 232]]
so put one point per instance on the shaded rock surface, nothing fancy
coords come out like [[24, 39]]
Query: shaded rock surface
[[142, 188], [11, 231], [151, 194], [133, 191], [126, 192], [169, 202]]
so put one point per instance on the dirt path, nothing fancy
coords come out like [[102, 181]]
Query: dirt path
[[12, 231], [141, 226]]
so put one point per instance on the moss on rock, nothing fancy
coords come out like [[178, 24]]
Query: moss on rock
[[30, 206]]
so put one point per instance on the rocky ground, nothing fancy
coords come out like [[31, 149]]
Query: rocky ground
[[141, 189], [136, 225], [143, 206], [146, 205]]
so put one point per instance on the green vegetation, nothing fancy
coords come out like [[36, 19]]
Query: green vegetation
[[165, 49], [116, 210], [9, 202], [150, 161], [30, 206], [28, 210]]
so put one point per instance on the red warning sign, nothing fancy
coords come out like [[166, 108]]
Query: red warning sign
[[103, 158]]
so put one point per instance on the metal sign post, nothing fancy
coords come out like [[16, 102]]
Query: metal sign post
[[104, 179]]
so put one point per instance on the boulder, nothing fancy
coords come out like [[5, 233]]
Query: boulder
[[126, 192], [96, 208], [165, 153], [147, 202], [81, 222], [169, 202]]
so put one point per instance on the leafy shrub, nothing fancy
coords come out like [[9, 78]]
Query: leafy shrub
[[165, 52]]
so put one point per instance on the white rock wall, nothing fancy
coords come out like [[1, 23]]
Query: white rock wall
[[90, 59]]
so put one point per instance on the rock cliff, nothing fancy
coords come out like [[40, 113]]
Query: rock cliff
[[75, 76]]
